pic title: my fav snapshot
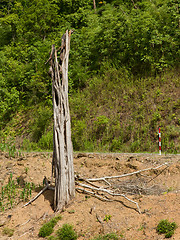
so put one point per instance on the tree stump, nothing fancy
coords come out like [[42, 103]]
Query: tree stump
[[62, 164]]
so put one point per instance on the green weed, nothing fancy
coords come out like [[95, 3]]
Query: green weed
[[107, 218]]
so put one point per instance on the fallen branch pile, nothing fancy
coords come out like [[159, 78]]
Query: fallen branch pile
[[107, 192]]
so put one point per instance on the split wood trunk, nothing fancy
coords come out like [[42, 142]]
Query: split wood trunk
[[62, 164]]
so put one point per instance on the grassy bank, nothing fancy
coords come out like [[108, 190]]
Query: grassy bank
[[115, 112]]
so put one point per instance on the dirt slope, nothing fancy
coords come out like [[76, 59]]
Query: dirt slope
[[157, 193]]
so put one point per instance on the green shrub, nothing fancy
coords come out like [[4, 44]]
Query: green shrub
[[28, 146], [52, 238], [109, 236], [79, 134], [46, 141], [66, 233], [42, 120], [135, 146], [166, 227], [48, 227], [116, 144], [101, 126], [46, 230]]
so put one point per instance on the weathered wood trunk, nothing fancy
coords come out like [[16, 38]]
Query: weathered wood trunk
[[62, 164]]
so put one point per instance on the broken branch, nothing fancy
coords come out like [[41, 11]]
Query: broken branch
[[126, 174]]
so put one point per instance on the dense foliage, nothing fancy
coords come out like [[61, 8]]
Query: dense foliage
[[116, 46]]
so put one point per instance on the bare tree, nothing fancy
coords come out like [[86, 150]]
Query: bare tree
[[62, 164]]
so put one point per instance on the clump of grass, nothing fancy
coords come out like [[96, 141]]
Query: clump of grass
[[8, 231], [48, 227], [109, 236], [166, 227], [66, 233]]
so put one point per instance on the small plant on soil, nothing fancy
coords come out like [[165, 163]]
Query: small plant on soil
[[27, 190], [48, 227], [8, 231], [66, 233], [12, 193], [166, 227], [107, 218], [26, 170], [109, 236]]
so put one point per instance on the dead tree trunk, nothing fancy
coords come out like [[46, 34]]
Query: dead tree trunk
[[62, 164]]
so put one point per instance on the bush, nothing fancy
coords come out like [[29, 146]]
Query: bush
[[42, 120], [52, 238], [46, 141], [48, 227], [109, 236], [46, 230], [166, 227], [66, 233]]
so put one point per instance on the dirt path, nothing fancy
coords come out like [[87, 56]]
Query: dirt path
[[159, 199]]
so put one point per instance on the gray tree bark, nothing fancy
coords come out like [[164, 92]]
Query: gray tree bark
[[62, 164]]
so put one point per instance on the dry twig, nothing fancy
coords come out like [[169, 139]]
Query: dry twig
[[110, 192], [126, 174], [43, 190]]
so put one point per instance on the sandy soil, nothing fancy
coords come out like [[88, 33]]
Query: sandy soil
[[157, 192]]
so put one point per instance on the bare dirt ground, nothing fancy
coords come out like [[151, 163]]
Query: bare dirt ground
[[157, 192]]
